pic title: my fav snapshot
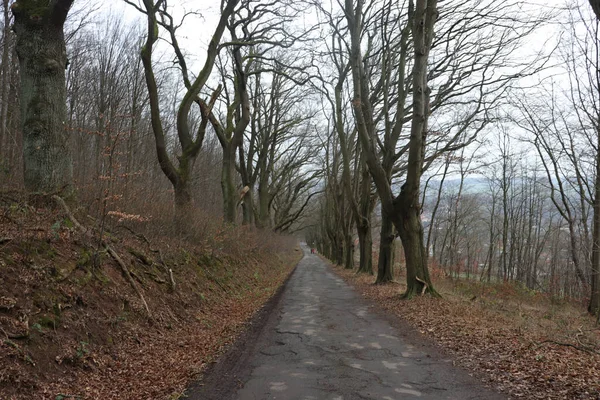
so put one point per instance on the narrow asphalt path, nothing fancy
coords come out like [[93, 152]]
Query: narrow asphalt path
[[325, 342]]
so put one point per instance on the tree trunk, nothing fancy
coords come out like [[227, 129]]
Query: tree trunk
[[248, 209], [264, 217], [228, 185], [365, 244], [339, 249], [42, 61], [183, 201], [411, 233], [385, 267], [407, 206], [5, 83], [594, 306], [363, 221], [348, 252]]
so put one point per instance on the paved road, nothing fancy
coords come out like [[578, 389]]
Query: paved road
[[326, 343]]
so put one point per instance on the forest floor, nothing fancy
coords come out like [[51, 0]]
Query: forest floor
[[74, 326], [519, 342]]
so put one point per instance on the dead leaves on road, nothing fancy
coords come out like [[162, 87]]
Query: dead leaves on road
[[529, 349]]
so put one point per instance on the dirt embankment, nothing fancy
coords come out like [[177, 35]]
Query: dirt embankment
[[74, 325]]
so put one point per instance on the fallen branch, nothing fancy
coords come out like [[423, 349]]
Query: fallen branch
[[582, 349], [108, 248], [70, 215], [163, 264], [127, 274]]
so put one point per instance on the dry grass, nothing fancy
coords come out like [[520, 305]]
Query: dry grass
[[518, 341]]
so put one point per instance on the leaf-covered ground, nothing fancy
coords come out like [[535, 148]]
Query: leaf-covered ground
[[72, 326], [519, 342]]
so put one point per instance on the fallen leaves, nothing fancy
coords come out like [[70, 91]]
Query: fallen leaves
[[515, 348], [89, 336]]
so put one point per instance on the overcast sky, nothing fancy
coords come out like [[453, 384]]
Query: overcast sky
[[197, 30]]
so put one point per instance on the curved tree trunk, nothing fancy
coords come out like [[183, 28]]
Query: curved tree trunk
[[407, 205], [42, 61]]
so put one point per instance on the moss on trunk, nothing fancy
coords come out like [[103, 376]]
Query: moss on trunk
[[42, 57]]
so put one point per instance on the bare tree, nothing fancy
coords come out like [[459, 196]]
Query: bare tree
[[157, 15]]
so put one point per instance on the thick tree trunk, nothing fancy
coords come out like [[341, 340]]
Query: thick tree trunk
[[228, 185], [248, 209], [263, 218], [337, 242], [365, 244], [385, 267], [411, 234], [348, 252], [326, 248], [407, 206], [42, 61], [363, 221], [183, 202], [5, 83]]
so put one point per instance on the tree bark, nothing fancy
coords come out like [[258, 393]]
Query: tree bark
[[365, 244], [596, 7], [42, 57], [228, 172], [407, 205], [5, 83], [264, 198], [594, 305], [348, 252], [385, 265]]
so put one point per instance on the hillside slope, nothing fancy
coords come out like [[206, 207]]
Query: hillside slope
[[73, 323]]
